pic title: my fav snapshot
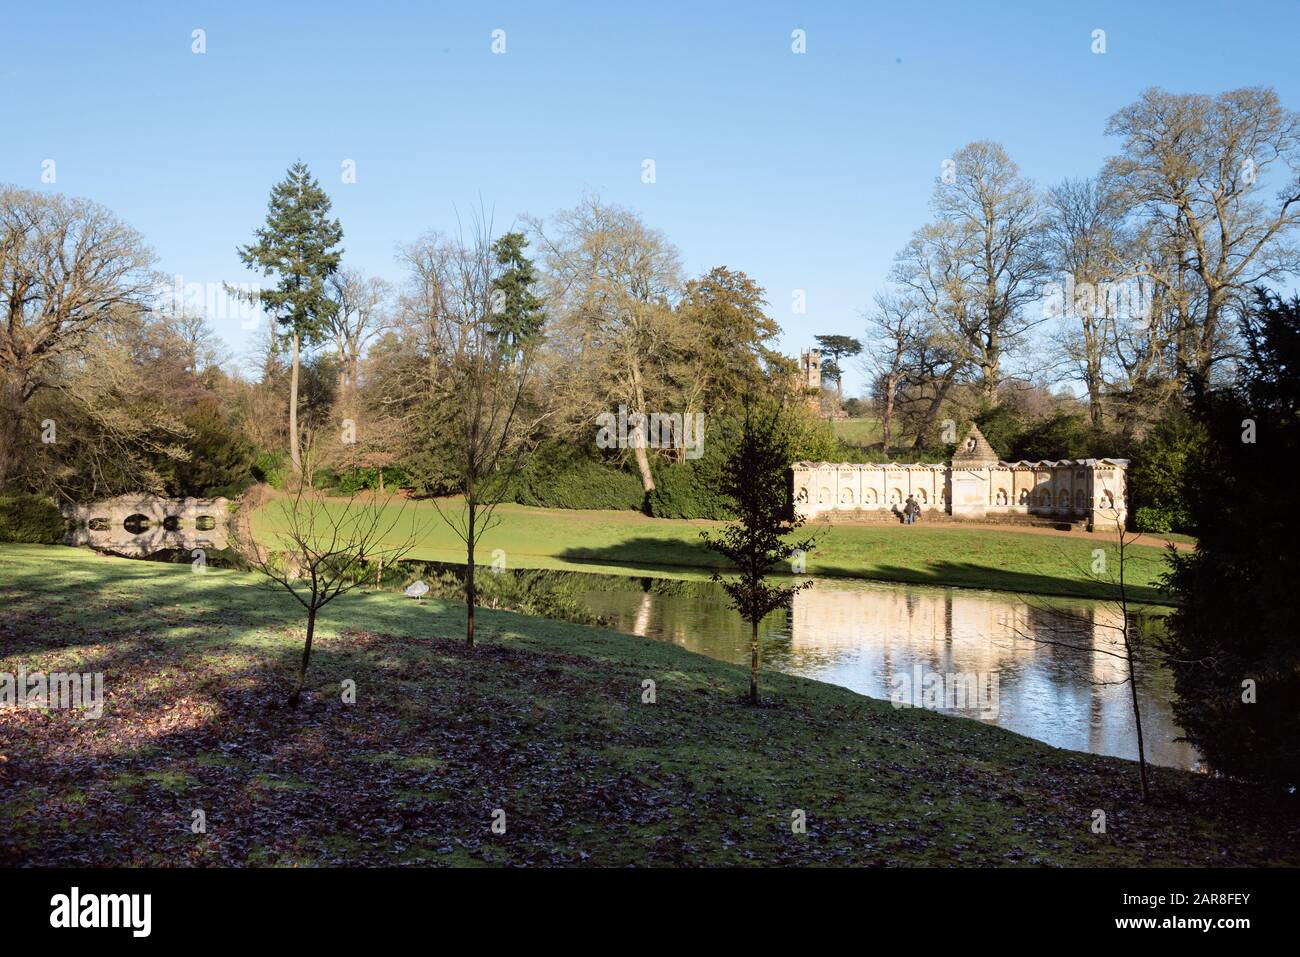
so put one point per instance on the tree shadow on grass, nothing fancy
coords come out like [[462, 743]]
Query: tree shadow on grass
[[648, 552], [971, 575]]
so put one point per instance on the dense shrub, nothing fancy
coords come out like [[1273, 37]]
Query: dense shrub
[[691, 489], [269, 467], [1001, 427], [1159, 472], [556, 475], [1062, 436], [33, 519], [355, 480], [221, 460]]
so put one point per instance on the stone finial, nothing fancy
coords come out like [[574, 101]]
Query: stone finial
[[974, 449]]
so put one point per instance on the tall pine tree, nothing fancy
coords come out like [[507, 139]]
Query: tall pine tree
[[299, 244], [518, 311]]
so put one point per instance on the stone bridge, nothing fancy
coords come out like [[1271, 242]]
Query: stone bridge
[[137, 525]]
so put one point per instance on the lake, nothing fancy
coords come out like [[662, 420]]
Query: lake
[[1049, 662]]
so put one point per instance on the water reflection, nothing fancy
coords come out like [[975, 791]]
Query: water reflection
[[1056, 680]]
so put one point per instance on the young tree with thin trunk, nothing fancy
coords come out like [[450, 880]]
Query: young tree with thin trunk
[[299, 244], [1122, 640], [756, 477], [477, 419], [321, 549]]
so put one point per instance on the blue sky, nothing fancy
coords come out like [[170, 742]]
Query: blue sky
[[806, 171]]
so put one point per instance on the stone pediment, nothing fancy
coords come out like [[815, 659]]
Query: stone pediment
[[974, 451]]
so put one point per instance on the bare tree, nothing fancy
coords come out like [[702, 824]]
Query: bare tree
[[991, 224], [1086, 244], [612, 284], [361, 315], [477, 400], [893, 326], [321, 550], [68, 268], [1121, 640], [1197, 164]]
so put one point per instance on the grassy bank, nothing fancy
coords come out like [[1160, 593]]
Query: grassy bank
[[621, 542], [544, 721]]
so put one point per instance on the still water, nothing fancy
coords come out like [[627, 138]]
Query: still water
[[1058, 679]]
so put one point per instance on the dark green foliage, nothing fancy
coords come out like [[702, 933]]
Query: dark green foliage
[[269, 467], [355, 480], [519, 315], [1239, 603], [836, 349], [32, 519], [1158, 473], [557, 475], [1000, 426], [691, 489], [754, 477], [1064, 435], [298, 244], [221, 459]]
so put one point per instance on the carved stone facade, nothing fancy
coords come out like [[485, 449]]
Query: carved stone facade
[[975, 486], [140, 524]]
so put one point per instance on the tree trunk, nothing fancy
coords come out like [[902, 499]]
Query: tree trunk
[[306, 657], [753, 663], [887, 420], [10, 434], [931, 412], [294, 456], [470, 595], [1137, 714], [638, 446]]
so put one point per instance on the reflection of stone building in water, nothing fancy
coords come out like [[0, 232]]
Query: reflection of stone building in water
[[975, 485], [140, 525], [1059, 678]]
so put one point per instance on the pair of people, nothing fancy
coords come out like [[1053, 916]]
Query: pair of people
[[911, 510]]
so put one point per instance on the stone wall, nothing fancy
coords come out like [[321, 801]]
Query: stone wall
[[975, 486]]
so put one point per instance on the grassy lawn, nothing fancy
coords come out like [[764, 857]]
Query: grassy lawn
[[622, 542], [543, 721], [861, 431]]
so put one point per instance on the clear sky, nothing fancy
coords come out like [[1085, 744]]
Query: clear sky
[[806, 171]]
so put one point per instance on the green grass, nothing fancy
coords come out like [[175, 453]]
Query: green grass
[[544, 721], [862, 432], [628, 542]]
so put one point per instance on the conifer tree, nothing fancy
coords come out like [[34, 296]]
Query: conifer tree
[[299, 244]]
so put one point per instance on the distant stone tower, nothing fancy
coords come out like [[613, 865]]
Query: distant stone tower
[[810, 369]]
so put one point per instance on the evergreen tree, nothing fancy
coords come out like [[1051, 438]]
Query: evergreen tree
[[299, 244], [836, 348], [756, 478], [518, 315], [1231, 643]]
